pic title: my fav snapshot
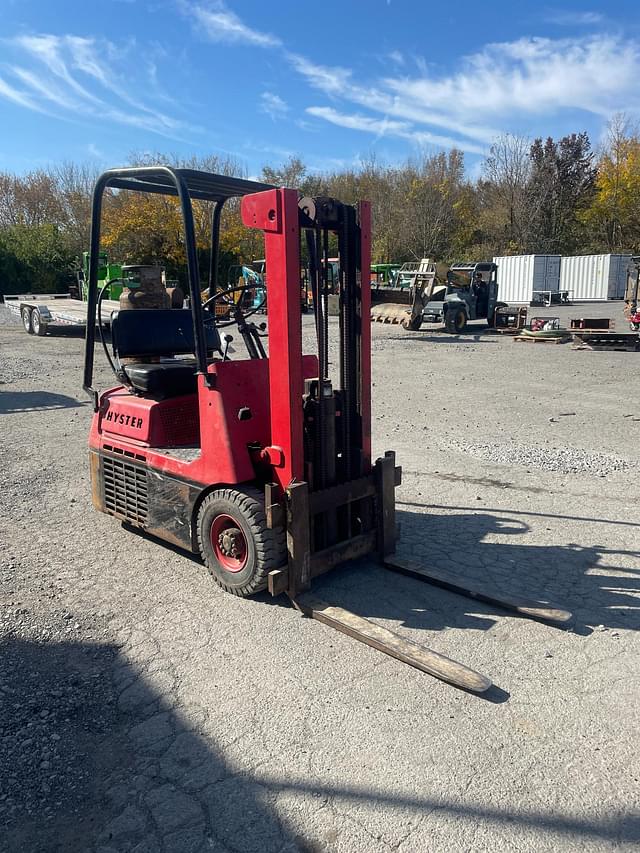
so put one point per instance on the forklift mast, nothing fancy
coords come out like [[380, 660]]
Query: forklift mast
[[323, 446], [282, 219]]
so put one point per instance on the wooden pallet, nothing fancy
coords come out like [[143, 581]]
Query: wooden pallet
[[608, 347], [606, 341], [562, 340]]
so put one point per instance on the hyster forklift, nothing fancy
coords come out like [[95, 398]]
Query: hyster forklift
[[260, 465]]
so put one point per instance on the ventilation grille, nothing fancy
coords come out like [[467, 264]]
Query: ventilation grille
[[125, 490], [180, 425], [122, 452]]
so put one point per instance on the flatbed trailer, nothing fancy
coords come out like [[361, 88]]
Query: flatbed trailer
[[38, 311]]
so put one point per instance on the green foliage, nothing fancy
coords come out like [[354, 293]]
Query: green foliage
[[34, 258]]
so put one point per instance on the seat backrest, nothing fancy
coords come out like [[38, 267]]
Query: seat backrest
[[156, 332]]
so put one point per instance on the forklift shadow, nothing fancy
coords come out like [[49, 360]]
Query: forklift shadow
[[460, 545], [573, 575], [12, 402], [128, 769], [120, 766]]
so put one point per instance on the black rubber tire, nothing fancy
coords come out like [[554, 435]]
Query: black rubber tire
[[455, 321], [413, 325], [266, 548], [39, 328], [25, 314]]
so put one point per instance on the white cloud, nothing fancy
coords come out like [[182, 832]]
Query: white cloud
[[93, 149], [359, 122], [382, 98], [501, 87], [504, 84], [273, 105], [71, 77], [223, 25], [332, 81], [566, 18], [17, 97], [40, 86], [383, 126], [531, 77]]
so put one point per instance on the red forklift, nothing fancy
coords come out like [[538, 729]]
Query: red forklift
[[261, 465]]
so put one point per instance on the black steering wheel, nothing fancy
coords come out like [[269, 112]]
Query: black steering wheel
[[223, 295]]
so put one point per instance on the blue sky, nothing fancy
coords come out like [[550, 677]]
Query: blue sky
[[331, 82]]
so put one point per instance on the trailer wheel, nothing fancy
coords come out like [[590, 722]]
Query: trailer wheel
[[455, 321], [39, 328], [237, 547], [25, 313]]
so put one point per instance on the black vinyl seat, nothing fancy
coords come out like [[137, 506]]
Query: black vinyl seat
[[158, 333], [162, 380]]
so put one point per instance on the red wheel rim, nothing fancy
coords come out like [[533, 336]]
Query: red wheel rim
[[229, 543]]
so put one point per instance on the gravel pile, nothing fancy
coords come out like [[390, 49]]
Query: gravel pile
[[564, 460], [8, 318]]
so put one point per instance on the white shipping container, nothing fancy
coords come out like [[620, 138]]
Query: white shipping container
[[519, 275], [594, 277]]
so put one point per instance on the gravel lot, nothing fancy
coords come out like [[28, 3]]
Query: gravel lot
[[142, 709]]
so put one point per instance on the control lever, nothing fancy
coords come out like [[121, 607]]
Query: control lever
[[227, 340]]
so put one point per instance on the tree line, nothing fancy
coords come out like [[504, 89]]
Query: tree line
[[542, 196]]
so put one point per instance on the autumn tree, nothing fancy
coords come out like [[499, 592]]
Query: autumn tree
[[433, 188], [74, 190], [614, 214], [30, 199], [503, 194]]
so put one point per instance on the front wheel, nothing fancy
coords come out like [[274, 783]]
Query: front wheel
[[455, 321], [237, 547], [413, 324]]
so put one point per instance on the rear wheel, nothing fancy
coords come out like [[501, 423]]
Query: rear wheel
[[39, 328], [455, 321], [237, 547], [25, 313]]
